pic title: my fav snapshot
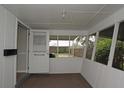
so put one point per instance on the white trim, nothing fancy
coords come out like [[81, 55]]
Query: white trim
[[85, 48], [69, 44], [23, 23], [94, 49], [113, 44], [16, 55], [27, 51], [57, 45]]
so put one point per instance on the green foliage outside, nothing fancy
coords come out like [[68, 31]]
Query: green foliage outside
[[118, 61], [103, 50]]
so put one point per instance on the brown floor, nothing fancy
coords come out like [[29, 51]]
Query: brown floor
[[56, 81], [18, 76]]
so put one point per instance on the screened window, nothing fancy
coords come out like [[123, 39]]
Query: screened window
[[77, 46], [53, 46], [103, 45], [90, 45], [63, 46], [118, 60], [66, 46]]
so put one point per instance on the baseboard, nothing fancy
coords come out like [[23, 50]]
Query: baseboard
[[64, 72], [86, 80]]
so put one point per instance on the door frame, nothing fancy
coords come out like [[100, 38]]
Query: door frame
[[27, 52]]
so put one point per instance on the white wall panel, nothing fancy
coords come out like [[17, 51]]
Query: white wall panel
[[2, 22], [65, 65], [8, 41], [121, 82]]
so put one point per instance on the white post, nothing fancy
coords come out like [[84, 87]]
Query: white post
[[113, 44], [94, 48]]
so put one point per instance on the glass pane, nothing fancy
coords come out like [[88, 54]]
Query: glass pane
[[63, 46], [90, 45], [53, 46], [76, 46], [39, 42], [103, 45], [118, 60]]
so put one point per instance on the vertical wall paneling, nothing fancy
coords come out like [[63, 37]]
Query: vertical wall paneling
[[8, 24]]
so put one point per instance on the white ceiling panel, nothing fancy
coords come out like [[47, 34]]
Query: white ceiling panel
[[78, 17], [50, 16], [97, 19], [111, 8]]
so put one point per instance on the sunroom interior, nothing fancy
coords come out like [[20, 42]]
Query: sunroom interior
[[41, 42]]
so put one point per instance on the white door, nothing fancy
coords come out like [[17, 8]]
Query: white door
[[39, 52]]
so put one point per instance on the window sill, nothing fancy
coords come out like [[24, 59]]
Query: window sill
[[66, 57]]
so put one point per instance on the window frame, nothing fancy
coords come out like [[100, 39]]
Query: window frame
[[68, 47], [92, 57], [109, 57], [112, 48], [117, 25]]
